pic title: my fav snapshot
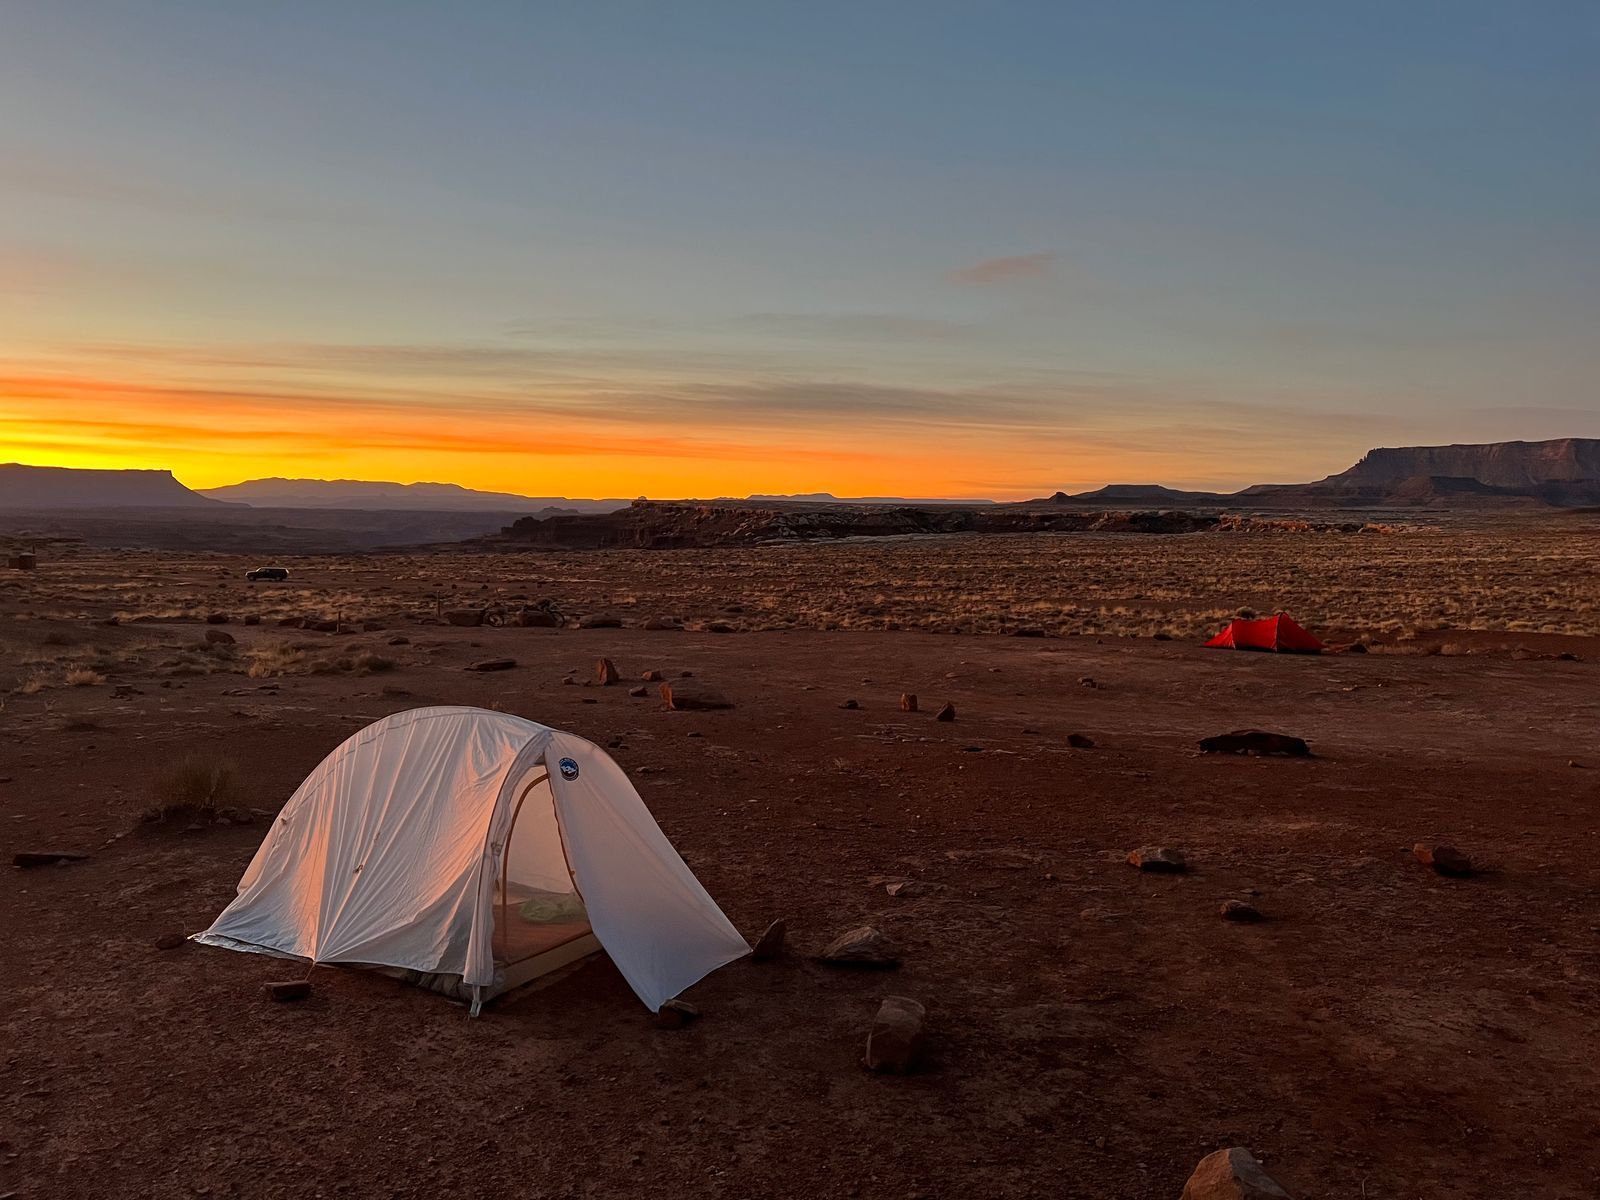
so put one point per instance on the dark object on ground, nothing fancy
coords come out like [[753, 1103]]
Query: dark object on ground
[[605, 672], [1028, 633], [1443, 858], [641, 690], [464, 616], [908, 702], [661, 624], [947, 713], [219, 637], [493, 664], [1241, 911], [1255, 741], [1159, 860], [1080, 741], [596, 621], [675, 1014], [287, 989], [864, 946], [170, 941], [850, 704], [895, 1041], [272, 574], [684, 697], [771, 944], [1232, 1174], [217, 618], [45, 858], [652, 677]]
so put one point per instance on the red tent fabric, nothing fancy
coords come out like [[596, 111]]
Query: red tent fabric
[[1281, 633]]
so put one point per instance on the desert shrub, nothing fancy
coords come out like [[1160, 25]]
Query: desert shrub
[[33, 685], [276, 659], [194, 786], [84, 677]]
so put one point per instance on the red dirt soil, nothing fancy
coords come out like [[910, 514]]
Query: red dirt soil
[[1094, 1030]]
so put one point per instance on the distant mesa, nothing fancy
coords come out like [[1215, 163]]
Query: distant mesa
[[830, 498], [79, 487]]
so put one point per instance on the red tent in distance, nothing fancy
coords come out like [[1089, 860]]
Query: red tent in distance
[[1281, 633]]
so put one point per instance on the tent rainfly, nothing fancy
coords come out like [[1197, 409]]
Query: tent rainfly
[[1281, 633], [472, 851]]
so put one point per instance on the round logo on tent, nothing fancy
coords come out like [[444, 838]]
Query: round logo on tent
[[569, 769]]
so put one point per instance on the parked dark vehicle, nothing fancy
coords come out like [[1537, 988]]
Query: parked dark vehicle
[[277, 574]]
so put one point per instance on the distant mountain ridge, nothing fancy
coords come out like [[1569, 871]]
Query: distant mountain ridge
[[376, 495], [23, 486]]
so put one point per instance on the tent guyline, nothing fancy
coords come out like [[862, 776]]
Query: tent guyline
[[471, 852]]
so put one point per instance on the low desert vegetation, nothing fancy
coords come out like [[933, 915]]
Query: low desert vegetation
[[83, 677], [274, 660], [194, 788]]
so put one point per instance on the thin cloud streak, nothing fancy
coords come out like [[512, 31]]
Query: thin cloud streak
[[1004, 270]]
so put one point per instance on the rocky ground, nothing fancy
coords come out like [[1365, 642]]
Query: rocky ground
[[1093, 1030]]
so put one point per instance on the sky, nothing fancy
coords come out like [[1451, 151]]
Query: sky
[[600, 248]]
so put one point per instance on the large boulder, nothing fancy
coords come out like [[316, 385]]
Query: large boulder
[[895, 1041], [1232, 1174], [684, 697], [1255, 741], [864, 946]]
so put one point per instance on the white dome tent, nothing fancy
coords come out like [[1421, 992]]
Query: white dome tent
[[472, 851]]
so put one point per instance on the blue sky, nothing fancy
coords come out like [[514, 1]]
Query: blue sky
[[712, 248]]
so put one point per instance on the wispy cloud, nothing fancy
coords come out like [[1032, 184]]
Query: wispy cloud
[[857, 327], [1005, 270]]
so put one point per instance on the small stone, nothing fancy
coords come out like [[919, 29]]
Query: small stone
[[170, 941], [1255, 741], [1241, 911], [652, 676], [252, 619], [493, 664], [45, 858], [850, 704], [1087, 681], [675, 1014], [1444, 859], [864, 946], [908, 702], [947, 713], [1159, 860], [400, 640], [219, 637], [287, 989], [217, 618], [719, 627], [1232, 1174], [641, 690], [1080, 741], [895, 1041], [770, 945], [605, 672]]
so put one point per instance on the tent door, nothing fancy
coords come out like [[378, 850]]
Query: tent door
[[540, 908]]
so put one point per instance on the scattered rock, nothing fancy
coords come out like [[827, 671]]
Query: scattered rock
[[605, 672], [1080, 741], [371, 626], [770, 946], [217, 618], [317, 625], [895, 1041], [850, 704], [1159, 860], [864, 946], [219, 637], [45, 858], [597, 621], [675, 1014], [652, 677], [464, 616], [400, 640], [641, 690], [908, 702], [535, 618], [287, 989], [719, 627], [908, 888], [1255, 741], [125, 691], [660, 624], [493, 664], [1241, 911], [170, 941], [291, 622], [252, 619], [947, 713], [685, 697], [1087, 681], [1232, 1174], [1443, 858]]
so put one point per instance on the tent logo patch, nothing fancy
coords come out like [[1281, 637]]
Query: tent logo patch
[[569, 769]]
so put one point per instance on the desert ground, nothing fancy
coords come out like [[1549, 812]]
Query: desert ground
[[1094, 1031]]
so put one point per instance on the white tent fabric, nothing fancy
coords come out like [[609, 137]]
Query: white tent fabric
[[389, 854]]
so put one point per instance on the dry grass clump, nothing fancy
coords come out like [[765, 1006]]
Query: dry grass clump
[[33, 684], [83, 677], [282, 658], [193, 788]]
